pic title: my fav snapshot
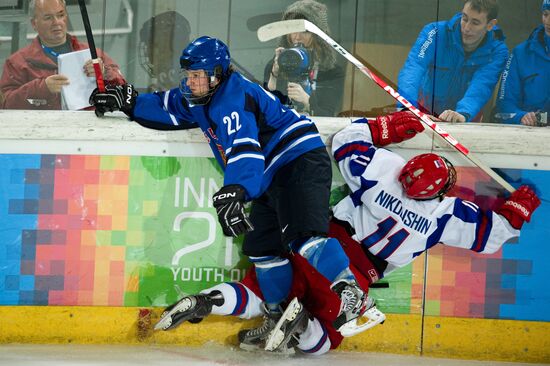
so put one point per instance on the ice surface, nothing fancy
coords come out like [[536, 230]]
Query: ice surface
[[210, 354]]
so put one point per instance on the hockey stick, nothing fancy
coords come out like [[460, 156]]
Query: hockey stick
[[278, 29], [91, 44]]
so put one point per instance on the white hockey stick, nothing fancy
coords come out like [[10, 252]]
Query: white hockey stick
[[278, 29]]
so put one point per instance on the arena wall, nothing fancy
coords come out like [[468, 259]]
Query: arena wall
[[104, 222]]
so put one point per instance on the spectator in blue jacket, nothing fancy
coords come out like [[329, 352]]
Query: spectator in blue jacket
[[525, 87], [454, 65]]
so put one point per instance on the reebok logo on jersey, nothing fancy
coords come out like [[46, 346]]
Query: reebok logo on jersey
[[518, 207], [385, 133]]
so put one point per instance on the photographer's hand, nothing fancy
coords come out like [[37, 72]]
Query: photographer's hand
[[297, 93], [272, 83], [275, 68]]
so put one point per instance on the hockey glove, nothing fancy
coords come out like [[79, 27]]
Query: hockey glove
[[114, 98], [229, 204], [519, 207], [394, 127]]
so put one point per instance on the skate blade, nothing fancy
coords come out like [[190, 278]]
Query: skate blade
[[166, 318], [250, 347], [277, 335], [369, 319]]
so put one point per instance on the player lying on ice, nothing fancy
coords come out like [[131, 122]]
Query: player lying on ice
[[396, 211], [310, 331]]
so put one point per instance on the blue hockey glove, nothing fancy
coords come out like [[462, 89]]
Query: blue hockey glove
[[229, 204]]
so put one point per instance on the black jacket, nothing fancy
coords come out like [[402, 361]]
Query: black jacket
[[325, 100]]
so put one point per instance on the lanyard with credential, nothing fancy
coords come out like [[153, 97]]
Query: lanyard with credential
[[50, 51]]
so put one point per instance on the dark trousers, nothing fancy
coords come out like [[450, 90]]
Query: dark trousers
[[295, 205]]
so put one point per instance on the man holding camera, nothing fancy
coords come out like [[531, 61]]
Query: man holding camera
[[304, 74], [294, 65]]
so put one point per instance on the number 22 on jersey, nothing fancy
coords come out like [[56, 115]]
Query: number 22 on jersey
[[232, 123]]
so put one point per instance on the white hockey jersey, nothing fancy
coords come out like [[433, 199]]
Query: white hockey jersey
[[397, 228]]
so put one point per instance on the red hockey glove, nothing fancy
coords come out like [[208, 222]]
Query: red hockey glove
[[519, 207], [394, 127]]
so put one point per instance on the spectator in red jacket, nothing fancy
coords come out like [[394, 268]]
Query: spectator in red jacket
[[30, 79]]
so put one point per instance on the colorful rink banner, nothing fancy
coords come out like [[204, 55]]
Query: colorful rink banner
[[110, 230], [141, 231]]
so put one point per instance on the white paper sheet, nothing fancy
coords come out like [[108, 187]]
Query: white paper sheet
[[77, 93]]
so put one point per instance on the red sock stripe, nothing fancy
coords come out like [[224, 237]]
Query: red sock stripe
[[242, 298]]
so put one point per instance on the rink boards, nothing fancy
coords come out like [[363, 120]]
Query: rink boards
[[102, 220]]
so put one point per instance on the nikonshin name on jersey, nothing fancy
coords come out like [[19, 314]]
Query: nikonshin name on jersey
[[409, 218]]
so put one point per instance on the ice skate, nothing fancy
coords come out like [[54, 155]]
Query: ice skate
[[353, 302], [286, 332], [370, 318], [255, 339], [191, 308]]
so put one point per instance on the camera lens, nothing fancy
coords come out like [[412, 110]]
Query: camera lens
[[290, 61], [294, 62]]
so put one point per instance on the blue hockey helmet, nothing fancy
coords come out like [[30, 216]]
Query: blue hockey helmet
[[208, 54]]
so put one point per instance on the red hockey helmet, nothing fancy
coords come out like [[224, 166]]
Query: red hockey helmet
[[427, 176]]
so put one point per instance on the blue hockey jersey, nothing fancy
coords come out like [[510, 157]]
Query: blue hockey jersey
[[250, 133]]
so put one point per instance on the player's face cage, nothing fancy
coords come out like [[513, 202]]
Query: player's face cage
[[452, 178], [198, 86]]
